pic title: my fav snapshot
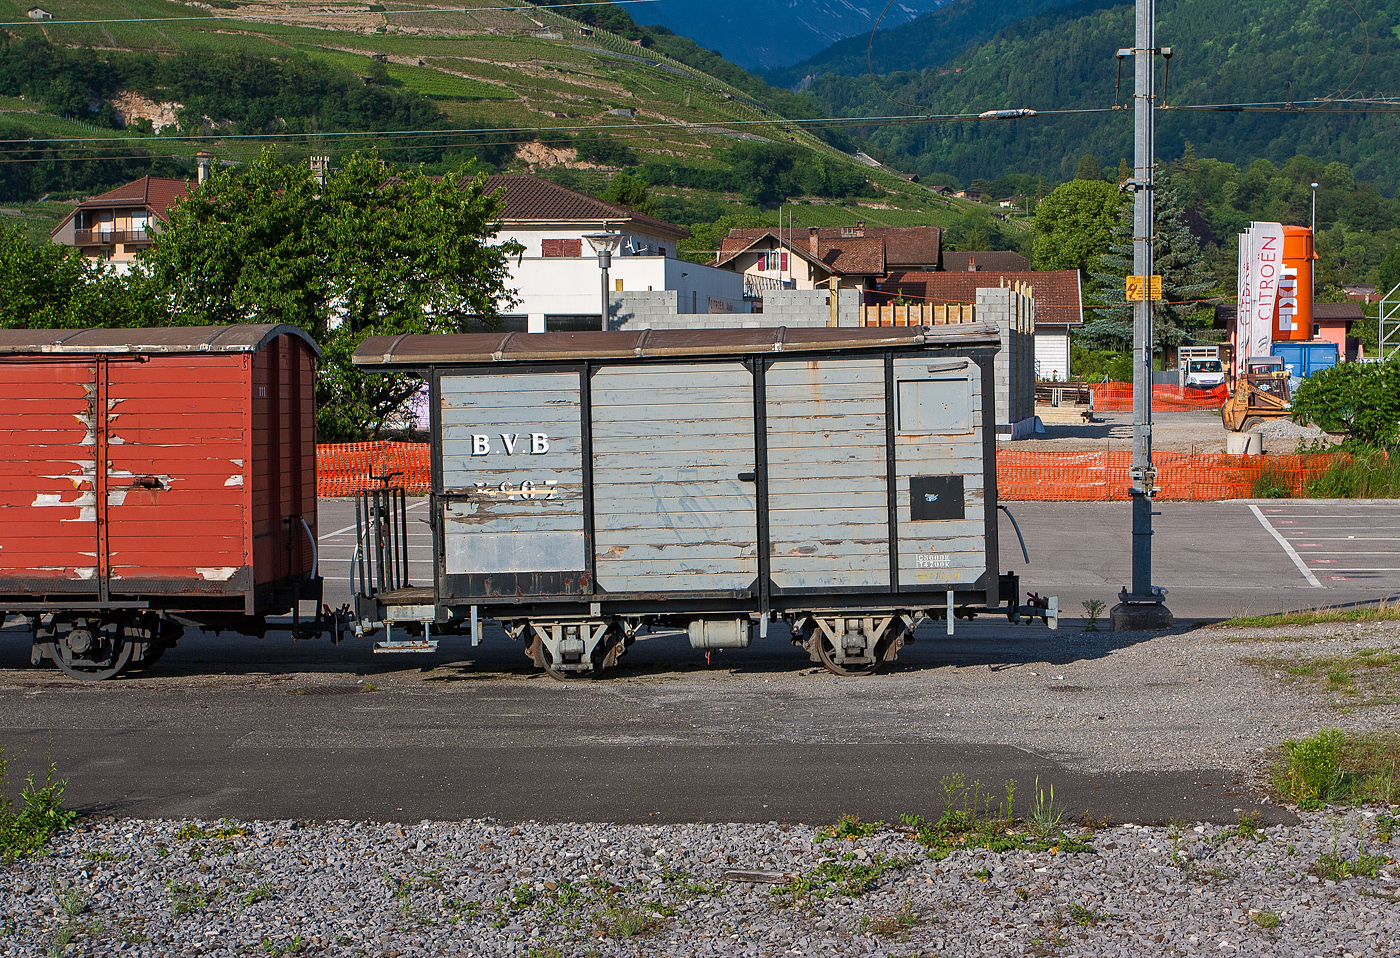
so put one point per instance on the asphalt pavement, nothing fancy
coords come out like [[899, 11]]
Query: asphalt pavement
[[268, 728]]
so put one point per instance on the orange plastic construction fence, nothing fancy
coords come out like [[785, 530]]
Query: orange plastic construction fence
[[1118, 397], [1103, 476], [345, 468]]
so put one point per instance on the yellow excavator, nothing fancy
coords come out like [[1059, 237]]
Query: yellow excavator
[[1262, 392]]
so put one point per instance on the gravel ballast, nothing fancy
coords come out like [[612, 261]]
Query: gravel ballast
[[128, 887]]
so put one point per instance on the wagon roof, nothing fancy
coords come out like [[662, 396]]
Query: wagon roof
[[163, 339], [420, 350]]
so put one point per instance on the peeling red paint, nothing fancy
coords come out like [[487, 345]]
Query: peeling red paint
[[204, 456]]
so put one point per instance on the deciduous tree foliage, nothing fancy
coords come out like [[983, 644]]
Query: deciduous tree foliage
[[366, 254], [54, 287], [1359, 399], [1073, 224]]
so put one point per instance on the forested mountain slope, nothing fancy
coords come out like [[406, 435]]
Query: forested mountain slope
[[1243, 51]]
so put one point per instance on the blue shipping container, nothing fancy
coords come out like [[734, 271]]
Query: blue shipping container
[[1302, 359]]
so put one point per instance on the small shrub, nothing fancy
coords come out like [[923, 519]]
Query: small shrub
[[1093, 608], [1311, 774], [1267, 919], [41, 814]]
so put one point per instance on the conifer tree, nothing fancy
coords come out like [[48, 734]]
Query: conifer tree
[[1187, 280]]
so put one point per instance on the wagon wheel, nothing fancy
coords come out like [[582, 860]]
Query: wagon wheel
[[90, 653], [827, 653]]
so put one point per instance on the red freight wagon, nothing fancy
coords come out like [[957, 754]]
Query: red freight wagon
[[154, 479]]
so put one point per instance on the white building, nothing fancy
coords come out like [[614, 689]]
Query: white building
[[557, 279]]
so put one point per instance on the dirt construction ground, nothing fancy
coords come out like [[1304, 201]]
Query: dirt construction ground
[[1197, 431]]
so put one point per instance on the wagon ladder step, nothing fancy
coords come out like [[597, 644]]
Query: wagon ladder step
[[407, 645]]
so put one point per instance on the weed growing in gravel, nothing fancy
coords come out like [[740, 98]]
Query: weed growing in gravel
[[41, 814], [186, 897], [1335, 867], [1043, 811], [968, 821], [104, 856], [1246, 829], [62, 936], [257, 894], [225, 829], [1267, 919], [631, 921], [847, 877], [1093, 608], [892, 926], [847, 828], [72, 900], [1384, 826], [1086, 917], [294, 947]]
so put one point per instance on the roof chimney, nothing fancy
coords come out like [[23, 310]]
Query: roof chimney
[[320, 166], [812, 240], [201, 163], [972, 264]]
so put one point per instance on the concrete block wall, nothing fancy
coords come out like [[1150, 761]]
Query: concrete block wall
[[1014, 370], [645, 309]]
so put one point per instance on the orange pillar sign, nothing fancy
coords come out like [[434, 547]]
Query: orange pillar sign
[[1293, 314]]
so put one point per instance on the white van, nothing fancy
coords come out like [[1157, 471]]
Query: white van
[[1200, 367]]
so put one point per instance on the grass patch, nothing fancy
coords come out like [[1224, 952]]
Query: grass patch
[[1267, 919], [1384, 612], [1271, 483], [225, 829], [40, 817], [1362, 677], [1336, 867], [1336, 767], [1361, 474]]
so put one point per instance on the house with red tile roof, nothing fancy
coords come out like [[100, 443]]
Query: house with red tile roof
[[556, 278], [114, 226], [1057, 296], [851, 257]]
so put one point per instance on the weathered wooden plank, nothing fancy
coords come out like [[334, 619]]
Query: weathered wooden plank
[[678, 522], [472, 386]]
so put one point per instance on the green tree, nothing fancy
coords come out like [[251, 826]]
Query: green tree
[[703, 243], [1088, 169], [1187, 280], [1359, 399], [1073, 223], [1388, 275], [53, 286], [631, 192], [365, 254]]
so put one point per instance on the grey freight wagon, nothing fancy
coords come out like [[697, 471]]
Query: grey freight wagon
[[588, 485]]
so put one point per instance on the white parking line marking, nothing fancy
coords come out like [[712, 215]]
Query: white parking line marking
[[1297, 560], [351, 528]]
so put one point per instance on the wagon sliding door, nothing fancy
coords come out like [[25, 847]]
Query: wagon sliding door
[[828, 497], [673, 471], [512, 485]]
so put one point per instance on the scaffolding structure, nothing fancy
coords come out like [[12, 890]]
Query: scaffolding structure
[[1390, 324]]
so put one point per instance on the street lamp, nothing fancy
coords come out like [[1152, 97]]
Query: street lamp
[[604, 244], [1312, 274]]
